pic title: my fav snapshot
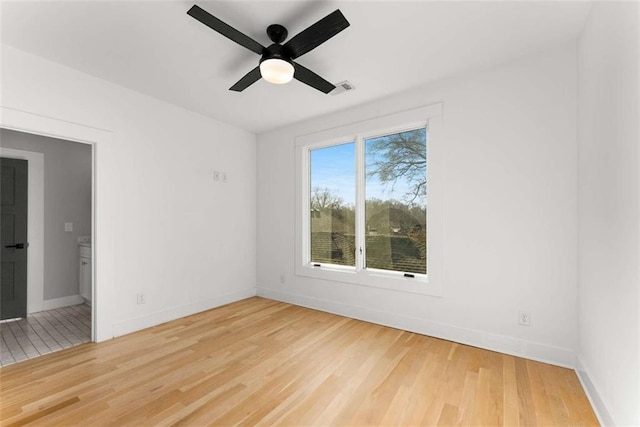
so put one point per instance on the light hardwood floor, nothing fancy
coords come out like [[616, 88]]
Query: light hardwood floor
[[262, 362]]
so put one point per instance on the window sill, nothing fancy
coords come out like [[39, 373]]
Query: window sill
[[393, 281]]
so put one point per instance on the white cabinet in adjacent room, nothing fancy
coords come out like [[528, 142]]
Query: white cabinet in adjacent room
[[85, 271]]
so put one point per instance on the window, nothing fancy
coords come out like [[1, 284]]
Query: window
[[395, 234], [332, 199], [365, 192]]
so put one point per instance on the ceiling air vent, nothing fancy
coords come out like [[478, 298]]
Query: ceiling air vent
[[342, 87]]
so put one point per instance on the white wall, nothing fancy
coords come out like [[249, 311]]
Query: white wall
[[164, 227], [608, 292], [510, 212], [67, 198]]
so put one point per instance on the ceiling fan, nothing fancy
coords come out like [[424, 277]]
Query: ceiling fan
[[277, 61]]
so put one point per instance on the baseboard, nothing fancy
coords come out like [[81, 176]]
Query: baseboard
[[504, 344], [604, 417], [52, 304], [152, 319]]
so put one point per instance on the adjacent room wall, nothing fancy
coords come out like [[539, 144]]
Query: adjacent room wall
[[510, 209], [609, 195], [67, 198], [165, 228]]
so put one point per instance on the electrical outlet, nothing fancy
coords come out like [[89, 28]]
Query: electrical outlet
[[68, 227], [141, 299], [524, 318], [282, 280], [223, 177]]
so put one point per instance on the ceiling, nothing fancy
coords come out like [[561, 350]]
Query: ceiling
[[155, 48]]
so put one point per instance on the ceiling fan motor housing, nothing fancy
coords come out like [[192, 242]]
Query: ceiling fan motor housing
[[277, 33], [276, 51]]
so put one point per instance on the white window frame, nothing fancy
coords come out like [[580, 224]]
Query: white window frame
[[426, 284]]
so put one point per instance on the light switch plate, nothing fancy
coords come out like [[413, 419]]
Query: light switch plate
[[68, 227]]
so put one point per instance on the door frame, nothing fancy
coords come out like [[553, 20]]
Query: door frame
[[37, 124]]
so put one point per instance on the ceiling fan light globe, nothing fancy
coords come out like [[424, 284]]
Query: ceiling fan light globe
[[276, 71]]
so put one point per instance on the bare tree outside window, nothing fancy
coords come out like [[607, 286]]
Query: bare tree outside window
[[323, 198], [400, 158]]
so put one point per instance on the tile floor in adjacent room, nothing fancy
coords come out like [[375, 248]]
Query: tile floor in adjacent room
[[43, 332]]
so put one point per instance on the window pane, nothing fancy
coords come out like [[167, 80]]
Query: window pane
[[332, 204], [396, 202]]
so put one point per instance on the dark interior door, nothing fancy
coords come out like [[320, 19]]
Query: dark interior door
[[13, 238]]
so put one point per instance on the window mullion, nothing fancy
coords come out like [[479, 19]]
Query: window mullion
[[306, 204], [360, 204]]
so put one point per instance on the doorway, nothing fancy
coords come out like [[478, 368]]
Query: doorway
[[60, 225]]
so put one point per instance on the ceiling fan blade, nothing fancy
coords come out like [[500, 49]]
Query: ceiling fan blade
[[250, 78], [316, 34], [307, 76], [225, 29]]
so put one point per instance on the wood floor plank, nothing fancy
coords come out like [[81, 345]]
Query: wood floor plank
[[263, 362], [510, 409]]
